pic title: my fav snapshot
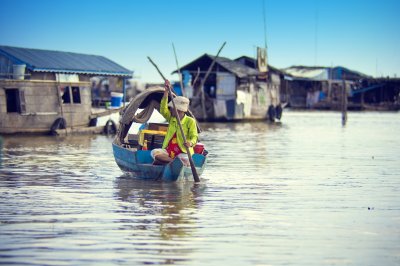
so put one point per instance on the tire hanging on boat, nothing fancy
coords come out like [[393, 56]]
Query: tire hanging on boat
[[279, 111], [271, 113], [110, 128], [93, 122], [59, 123]]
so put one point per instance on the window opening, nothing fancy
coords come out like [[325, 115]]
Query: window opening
[[76, 95], [15, 100], [66, 97]]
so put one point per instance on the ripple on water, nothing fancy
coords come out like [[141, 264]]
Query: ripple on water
[[307, 191]]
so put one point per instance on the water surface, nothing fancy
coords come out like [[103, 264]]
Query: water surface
[[306, 191]]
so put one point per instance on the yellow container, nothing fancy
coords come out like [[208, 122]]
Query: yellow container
[[151, 133]]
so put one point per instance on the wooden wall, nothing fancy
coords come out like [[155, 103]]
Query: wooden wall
[[42, 106]]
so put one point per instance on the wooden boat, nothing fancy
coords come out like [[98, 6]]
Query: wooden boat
[[132, 159]]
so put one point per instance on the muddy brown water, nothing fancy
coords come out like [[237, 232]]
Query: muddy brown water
[[306, 191]]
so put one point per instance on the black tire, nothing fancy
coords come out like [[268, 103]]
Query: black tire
[[271, 113], [93, 122], [59, 123], [279, 111], [110, 128]]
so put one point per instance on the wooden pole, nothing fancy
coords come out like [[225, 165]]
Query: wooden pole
[[179, 71], [344, 103], [197, 76], [124, 92], [192, 166], [60, 102], [1, 149], [362, 101], [203, 81]]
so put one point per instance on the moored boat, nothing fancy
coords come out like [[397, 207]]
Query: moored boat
[[134, 156]]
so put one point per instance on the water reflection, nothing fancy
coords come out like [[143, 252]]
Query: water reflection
[[165, 208], [36, 159]]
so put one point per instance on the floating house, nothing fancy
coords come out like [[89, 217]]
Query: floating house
[[45, 91], [320, 87], [382, 94], [232, 91], [275, 78]]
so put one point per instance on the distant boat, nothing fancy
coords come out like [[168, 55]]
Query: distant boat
[[128, 149]]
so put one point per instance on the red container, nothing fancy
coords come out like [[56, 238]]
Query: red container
[[199, 148]]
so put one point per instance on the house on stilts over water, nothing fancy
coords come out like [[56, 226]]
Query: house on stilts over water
[[44, 91], [234, 90], [317, 87]]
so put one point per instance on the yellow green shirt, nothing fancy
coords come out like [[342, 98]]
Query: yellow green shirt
[[188, 125]]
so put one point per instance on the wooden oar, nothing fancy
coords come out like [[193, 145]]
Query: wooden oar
[[192, 166]]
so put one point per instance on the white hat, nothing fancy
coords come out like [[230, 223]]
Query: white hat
[[181, 103]]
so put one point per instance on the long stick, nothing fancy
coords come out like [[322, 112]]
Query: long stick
[[197, 76], [344, 102], [192, 166], [61, 104], [203, 105], [179, 71]]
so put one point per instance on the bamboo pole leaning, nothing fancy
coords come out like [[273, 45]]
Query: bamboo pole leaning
[[179, 72], [203, 81]]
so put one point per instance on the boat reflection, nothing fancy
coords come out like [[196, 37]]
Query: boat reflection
[[160, 217], [166, 204]]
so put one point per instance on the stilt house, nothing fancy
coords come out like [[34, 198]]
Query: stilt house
[[232, 91]]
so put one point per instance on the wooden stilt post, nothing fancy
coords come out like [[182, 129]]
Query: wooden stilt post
[[344, 103], [362, 100]]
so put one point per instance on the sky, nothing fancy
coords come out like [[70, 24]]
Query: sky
[[362, 35]]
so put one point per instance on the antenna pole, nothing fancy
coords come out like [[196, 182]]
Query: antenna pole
[[265, 26]]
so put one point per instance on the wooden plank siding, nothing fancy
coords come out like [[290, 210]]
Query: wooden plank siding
[[42, 106]]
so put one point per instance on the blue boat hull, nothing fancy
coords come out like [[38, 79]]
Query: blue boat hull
[[138, 163]]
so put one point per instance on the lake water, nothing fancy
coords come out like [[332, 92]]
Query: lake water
[[307, 191]]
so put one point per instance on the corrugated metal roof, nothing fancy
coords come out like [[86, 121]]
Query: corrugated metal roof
[[323, 73], [234, 67], [64, 62], [252, 62]]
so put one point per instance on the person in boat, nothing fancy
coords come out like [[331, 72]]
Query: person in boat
[[173, 145]]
